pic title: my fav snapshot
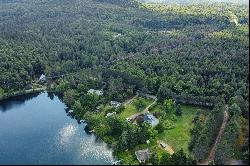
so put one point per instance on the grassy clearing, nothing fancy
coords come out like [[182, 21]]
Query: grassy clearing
[[180, 136], [131, 108]]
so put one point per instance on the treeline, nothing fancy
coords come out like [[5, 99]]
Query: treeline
[[205, 132], [235, 140]]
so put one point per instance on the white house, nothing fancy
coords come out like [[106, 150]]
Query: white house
[[97, 92], [42, 78]]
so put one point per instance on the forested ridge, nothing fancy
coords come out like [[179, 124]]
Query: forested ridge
[[196, 54]]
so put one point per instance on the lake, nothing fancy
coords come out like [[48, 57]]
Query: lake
[[35, 129]]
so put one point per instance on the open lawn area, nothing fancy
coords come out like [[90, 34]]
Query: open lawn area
[[179, 137], [131, 108]]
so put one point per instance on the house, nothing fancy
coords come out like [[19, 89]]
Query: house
[[142, 155], [97, 92], [151, 119], [115, 104], [110, 114], [42, 78]]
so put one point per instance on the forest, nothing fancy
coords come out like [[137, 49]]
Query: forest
[[195, 54]]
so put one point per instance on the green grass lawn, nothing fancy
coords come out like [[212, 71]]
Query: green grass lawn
[[180, 136], [131, 108]]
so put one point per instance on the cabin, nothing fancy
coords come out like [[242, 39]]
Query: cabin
[[115, 104], [97, 92], [151, 119], [142, 155], [42, 78]]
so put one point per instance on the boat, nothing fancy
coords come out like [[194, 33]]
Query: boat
[[70, 111]]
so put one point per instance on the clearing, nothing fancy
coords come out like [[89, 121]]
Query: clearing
[[179, 137], [131, 107]]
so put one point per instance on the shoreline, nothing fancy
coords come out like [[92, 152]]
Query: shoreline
[[21, 93]]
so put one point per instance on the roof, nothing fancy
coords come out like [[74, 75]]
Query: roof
[[97, 92], [42, 77], [151, 119], [115, 103], [142, 155]]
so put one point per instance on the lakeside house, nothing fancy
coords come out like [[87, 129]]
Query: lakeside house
[[115, 104], [42, 78], [142, 155], [97, 92], [151, 119]]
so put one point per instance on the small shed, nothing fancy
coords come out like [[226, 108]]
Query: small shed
[[142, 155]]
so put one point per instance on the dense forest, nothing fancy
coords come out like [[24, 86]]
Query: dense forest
[[195, 54]]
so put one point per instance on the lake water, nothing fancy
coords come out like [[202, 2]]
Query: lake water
[[35, 129]]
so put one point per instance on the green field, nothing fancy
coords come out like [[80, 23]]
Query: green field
[[180, 136], [131, 108]]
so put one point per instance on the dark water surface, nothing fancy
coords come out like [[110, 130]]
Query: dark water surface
[[35, 129]]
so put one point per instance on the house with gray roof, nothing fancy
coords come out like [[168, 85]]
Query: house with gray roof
[[142, 155], [151, 119]]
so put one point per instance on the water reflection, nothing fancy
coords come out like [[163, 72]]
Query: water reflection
[[37, 130], [99, 149], [66, 133], [12, 102]]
